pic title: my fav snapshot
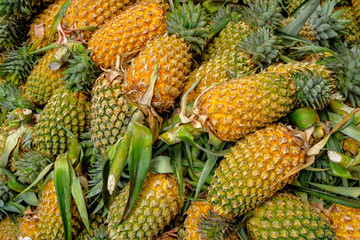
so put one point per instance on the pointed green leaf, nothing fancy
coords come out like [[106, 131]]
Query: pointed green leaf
[[107, 197], [63, 192], [30, 198], [345, 191], [176, 160], [57, 19], [139, 162]]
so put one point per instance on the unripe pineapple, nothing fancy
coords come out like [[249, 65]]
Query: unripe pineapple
[[43, 82], [195, 212], [159, 202], [173, 52], [28, 227], [127, 33], [97, 229], [50, 225], [240, 106], [64, 109], [286, 216], [346, 222], [12, 33], [93, 13], [46, 18], [9, 229], [253, 170], [110, 111]]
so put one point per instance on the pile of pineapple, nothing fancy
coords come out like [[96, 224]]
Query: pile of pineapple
[[157, 119]]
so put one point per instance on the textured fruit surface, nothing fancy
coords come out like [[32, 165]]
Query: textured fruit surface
[[97, 229], [240, 106], [42, 82], [159, 202], [9, 229], [28, 227], [64, 109], [93, 13], [253, 170], [346, 222], [286, 216], [46, 18], [110, 112], [194, 214], [127, 33], [173, 55], [288, 68], [353, 27], [50, 224]]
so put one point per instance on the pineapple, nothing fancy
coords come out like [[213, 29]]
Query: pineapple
[[159, 202], [12, 33], [173, 52], [286, 216], [352, 28], [97, 229], [195, 212], [253, 170], [345, 221], [46, 18], [64, 109], [42, 82], [50, 224], [28, 227], [127, 33], [356, 6], [110, 111], [237, 107], [9, 229], [293, 5], [93, 13]]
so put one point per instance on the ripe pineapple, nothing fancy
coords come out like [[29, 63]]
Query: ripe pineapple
[[65, 108], [356, 6], [93, 13], [50, 224], [240, 106], [195, 212], [173, 52], [127, 33], [28, 227], [9, 229], [252, 171], [43, 82], [110, 111], [286, 216], [293, 5], [345, 221], [46, 18], [158, 203]]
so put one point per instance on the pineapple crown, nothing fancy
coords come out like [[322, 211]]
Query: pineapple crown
[[345, 64], [11, 34], [312, 90], [263, 13], [327, 24], [11, 98], [81, 71], [234, 11], [263, 47], [30, 165], [214, 226], [17, 65], [19, 8], [191, 23]]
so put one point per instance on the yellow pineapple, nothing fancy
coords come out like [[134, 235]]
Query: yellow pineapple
[[173, 53], [9, 229], [346, 222], [127, 33], [28, 227]]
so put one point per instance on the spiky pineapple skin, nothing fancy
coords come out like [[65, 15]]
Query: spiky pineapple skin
[[46, 18], [240, 106], [285, 216], [356, 7], [294, 4], [93, 13], [28, 227], [110, 112], [97, 228], [50, 224], [159, 202], [9, 229], [72, 111], [43, 82], [173, 55], [345, 221], [227, 39], [194, 213], [127, 33], [253, 170], [353, 27]]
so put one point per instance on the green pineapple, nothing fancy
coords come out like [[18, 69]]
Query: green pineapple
[[12, 33], [97, 228], [286, 216], [158, 203]]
